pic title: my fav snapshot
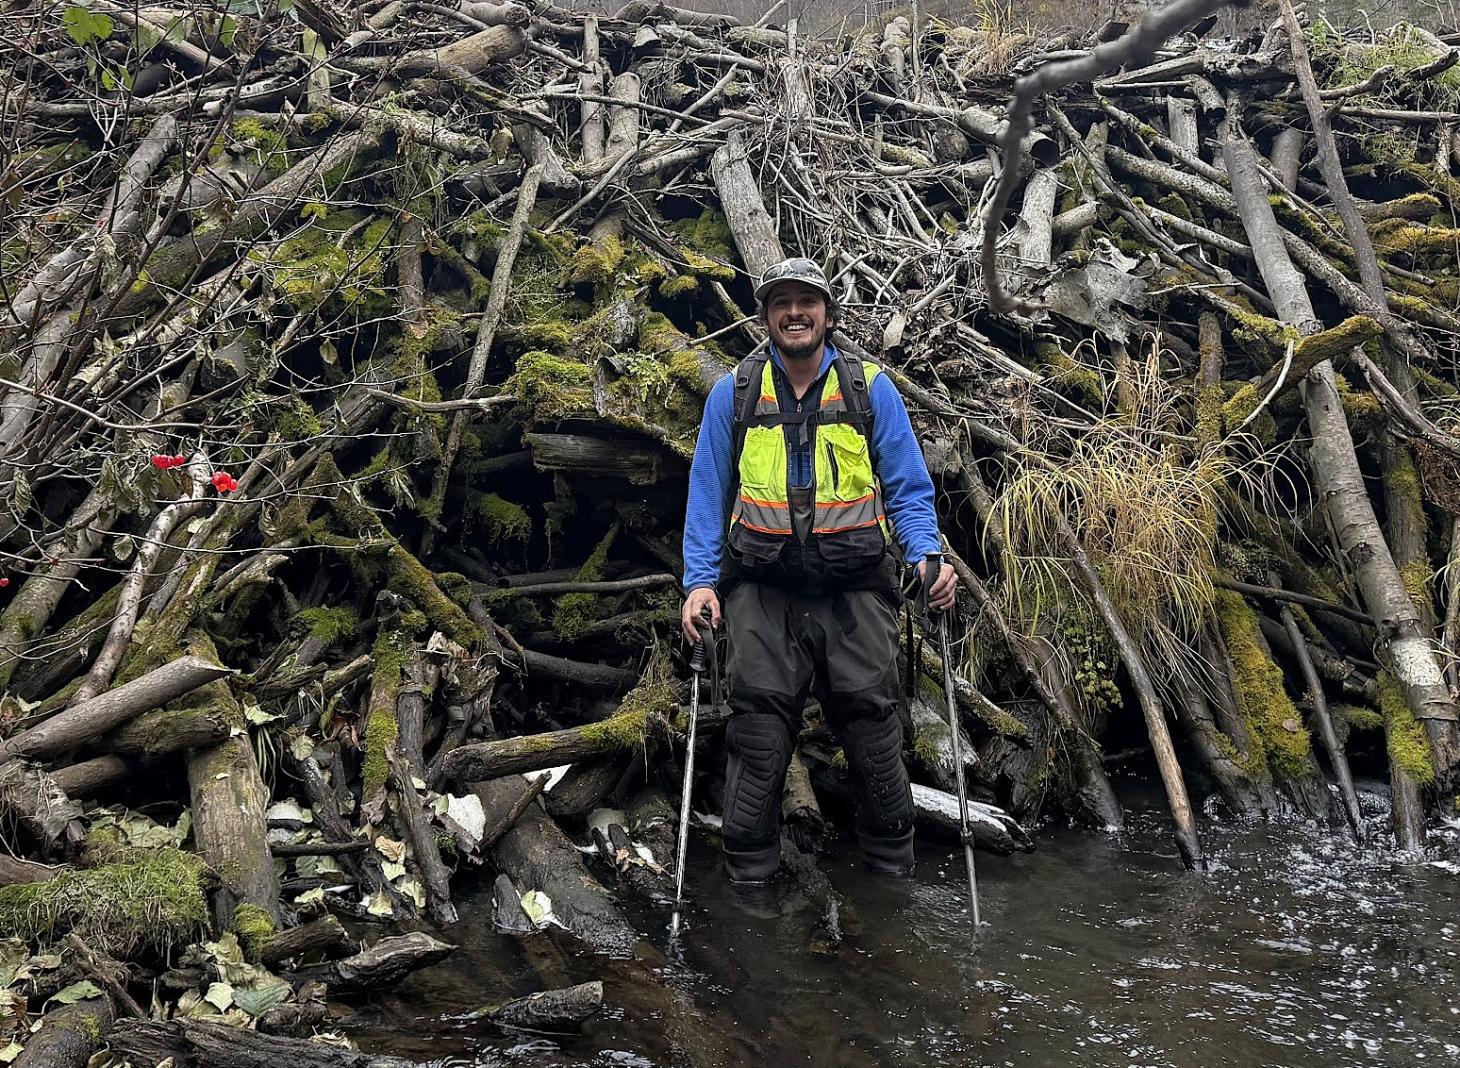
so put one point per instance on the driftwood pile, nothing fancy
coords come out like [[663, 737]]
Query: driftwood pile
[[352, 361]]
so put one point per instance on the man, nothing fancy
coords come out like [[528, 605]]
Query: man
[[805, 458]]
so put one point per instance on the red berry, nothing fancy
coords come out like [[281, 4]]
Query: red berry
[[4, 581]]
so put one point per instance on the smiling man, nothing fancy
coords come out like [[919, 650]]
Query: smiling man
[[805, 470]]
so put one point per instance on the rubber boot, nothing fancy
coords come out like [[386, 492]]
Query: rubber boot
[[888, 854], [752, 865]]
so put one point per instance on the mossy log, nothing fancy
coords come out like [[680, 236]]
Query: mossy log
[[168, 730], [68, 1036], [229, 802], [533, 752], [80, 724], [143, 898], [206, 1044]]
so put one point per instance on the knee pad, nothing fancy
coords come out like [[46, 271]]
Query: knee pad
[[759, 751], [884, 796]]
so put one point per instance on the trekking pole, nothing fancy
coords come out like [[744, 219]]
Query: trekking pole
[[699, 659], [939, 621]]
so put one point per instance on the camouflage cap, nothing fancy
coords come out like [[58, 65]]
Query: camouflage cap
[[795, 269]]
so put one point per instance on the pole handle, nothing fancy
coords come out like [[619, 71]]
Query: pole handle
[[699, 657], [932, 567]]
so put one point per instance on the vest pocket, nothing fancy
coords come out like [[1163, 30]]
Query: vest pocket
[[835, 470], [752, 549]]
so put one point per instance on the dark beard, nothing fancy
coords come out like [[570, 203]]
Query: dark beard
[[811, 347]]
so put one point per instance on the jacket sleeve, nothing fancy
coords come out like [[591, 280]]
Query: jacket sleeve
[[907, 489], [709, 488]]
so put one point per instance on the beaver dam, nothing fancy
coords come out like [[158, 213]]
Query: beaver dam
[[353, 357]]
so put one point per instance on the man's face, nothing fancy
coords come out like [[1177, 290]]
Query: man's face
[[797, 321]]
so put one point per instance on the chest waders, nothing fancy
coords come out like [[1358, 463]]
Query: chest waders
[[811, 605]]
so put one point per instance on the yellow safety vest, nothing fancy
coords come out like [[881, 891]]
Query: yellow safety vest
[[847, 495]]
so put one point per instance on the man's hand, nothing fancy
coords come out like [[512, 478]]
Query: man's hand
[[689, 616], [945, 586]]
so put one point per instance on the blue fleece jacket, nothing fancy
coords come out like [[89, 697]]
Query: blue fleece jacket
[[907, 491]]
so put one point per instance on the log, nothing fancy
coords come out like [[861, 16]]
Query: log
[[92, 778], [15, 870], [68, 1036], [534, 752], [536, 855], [325, 935], [382, 965], [229, 802], [472, 54], [584, 786], [81, 723], [31, 799], [547, 1010], [167, 731], [595, 676], [206, 1044], [745, 212]]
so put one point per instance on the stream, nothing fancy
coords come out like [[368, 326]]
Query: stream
[[1097, 951]]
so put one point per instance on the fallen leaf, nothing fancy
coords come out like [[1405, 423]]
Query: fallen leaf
[[75, 992]]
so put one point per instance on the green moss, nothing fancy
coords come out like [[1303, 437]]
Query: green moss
[[504, 520], [929, 741], [551, 387], [382, 728], [709, 235], [1417, 576], [1363, 409], [297, 421], [1408, 745], [1175, 204], [572, 612], [339, 262], [681, 285], [1274, 724], [1350, 62], [1059, 365], [153, 898], [1209, 403], [595, 264], [1253, 328], [269, 148], [254, 927], [1359, 718], [330, 625], [1402, 236]]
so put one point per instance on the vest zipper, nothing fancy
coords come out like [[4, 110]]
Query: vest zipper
[[836, 477]]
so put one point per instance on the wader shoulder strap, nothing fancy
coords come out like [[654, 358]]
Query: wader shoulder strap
[[748, 375]]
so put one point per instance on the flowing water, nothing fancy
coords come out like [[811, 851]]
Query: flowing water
[[1097, 951]]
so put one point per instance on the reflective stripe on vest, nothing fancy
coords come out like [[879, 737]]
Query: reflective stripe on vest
[[847, 494]]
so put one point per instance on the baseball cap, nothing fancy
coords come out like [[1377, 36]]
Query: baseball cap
[[795, 269]]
